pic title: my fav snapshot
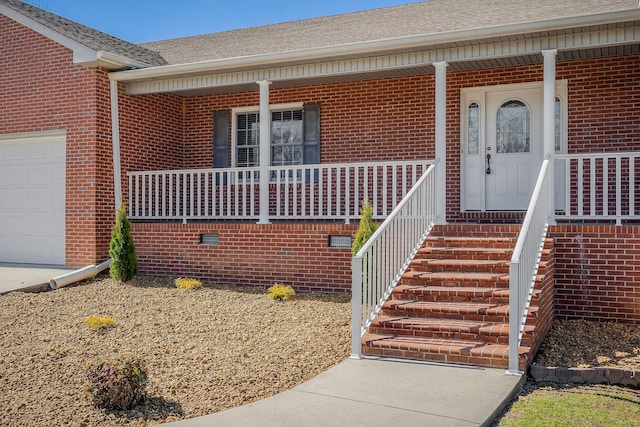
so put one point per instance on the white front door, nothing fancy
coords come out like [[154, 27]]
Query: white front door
[[501, 145], [513, 149]]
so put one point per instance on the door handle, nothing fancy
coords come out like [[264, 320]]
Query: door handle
[[488, 164]]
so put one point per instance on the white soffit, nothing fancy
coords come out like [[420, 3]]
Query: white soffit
[[500, 52]]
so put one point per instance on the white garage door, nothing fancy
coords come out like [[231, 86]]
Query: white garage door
[[32, 198]]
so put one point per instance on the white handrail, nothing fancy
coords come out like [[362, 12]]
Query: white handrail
[[524, 263], [379, 265]]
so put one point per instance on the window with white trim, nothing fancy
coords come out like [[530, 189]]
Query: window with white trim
[[295, 136], [286, 138]]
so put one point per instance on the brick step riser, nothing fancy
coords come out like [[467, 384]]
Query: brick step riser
[[532, 319], [437, 357], [426, 267], [432, 253], [451, 297], [504, 233], [431, 297], [442, 243], [471, 283], [428, 314], [452, 335]]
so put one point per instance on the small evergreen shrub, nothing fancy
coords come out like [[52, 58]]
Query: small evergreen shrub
[[186, 283], [99, 323], [122, 251], [118, 384], [280, 292], [366, 228]]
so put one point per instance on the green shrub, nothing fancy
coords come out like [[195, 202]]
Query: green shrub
[[122, 251], [280, 292], [99, 323], [118, 384], [186, 283], [366, 228]]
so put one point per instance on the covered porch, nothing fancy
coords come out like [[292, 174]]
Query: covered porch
[[397, 129]]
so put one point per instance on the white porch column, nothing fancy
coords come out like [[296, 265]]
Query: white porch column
[[441, 141], [549, 123], [265, 150], [115, 142]]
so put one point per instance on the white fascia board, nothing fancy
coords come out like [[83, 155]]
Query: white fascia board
[[82, 55], [112, 60], [371, 47]]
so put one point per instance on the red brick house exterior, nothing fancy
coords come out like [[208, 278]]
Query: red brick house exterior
[[159, 113]]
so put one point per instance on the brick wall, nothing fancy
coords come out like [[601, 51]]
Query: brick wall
[[385, 119], [41, 90], [248, 254], [597, 271]]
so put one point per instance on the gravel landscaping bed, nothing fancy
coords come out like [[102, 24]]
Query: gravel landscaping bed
[[206, 350], [585, 344]]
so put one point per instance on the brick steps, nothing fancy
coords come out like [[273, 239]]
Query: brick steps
[[490, 332], [457, 293], [465, 278], [468, 253], [452, 303], [461, 265], [441, 350]]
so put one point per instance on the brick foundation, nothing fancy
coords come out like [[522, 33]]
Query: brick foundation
[[597, 270], [248, 254]]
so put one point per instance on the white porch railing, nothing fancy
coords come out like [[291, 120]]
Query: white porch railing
[[524, 262], [322, 191], [379, 265], [599, 186]]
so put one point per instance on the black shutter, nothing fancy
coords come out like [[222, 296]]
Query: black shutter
[[221, 140], [311, 138], [311, 134]]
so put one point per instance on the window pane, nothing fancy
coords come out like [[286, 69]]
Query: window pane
[[513, 128], [473, 129], [286, 137], [248, 139]]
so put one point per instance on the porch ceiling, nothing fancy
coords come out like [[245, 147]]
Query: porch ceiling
[[620, 38]]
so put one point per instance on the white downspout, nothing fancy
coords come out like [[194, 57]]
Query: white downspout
[[115, 136], [84, 273], [91, 271]]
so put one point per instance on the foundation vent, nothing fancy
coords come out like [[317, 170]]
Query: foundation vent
[[340, 241], [209, 239]]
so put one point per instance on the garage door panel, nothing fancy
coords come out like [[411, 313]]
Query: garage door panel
[[32, 195]]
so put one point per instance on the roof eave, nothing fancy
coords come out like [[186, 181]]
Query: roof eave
[[82, 54], [370, 47], [108, 60]]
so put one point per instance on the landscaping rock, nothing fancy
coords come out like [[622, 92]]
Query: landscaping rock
[[206, 350]]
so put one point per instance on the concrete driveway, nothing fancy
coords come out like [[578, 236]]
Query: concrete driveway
[[15, 277]]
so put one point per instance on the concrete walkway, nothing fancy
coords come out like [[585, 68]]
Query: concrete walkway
[[380, 392], [15, 277]]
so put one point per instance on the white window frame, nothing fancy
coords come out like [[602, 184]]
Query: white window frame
[[253, 109]]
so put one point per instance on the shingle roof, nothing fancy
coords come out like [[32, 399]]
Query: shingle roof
[[87, 36], [423, 18]]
